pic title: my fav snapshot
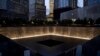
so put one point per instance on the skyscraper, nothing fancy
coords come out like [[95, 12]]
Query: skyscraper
[[58, 7], [91, 2], [51, 6], [65, 3], [50, 16], [73, 3], [37, 10], [12, 9], [60, 3], [85, 2], [61, 6], [91, 10]]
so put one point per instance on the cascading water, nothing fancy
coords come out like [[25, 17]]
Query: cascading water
[[86, 32]]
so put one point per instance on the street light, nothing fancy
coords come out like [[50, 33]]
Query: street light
[[32, 22], [73, 20]]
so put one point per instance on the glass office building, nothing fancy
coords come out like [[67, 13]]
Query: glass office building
[[60, 3], [14, 9], [37, 10], [73, 3], [65, 3], [91, 2], [61, 6]]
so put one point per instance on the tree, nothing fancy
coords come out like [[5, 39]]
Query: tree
[[98, 21], [78, 21]]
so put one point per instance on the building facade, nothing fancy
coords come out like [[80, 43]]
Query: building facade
[[73, 3], [61, 6], [58, 6], [37, 10], [51, 6], [12, 9], [51, 15], [85, 2], [65, 3], [90, 2], [60, 3], [93, 2], [92, 12]]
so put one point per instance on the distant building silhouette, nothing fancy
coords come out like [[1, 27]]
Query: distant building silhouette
[[85, 2], [51, 15], [37, 10], [73, 3], [11, 9], [89, 11], [90, 2], [61, 6], [93, 2]]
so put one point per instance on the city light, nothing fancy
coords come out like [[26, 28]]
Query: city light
[[53, 34]]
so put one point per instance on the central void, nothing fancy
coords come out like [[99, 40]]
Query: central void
[[49, 45], [50, 42]]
